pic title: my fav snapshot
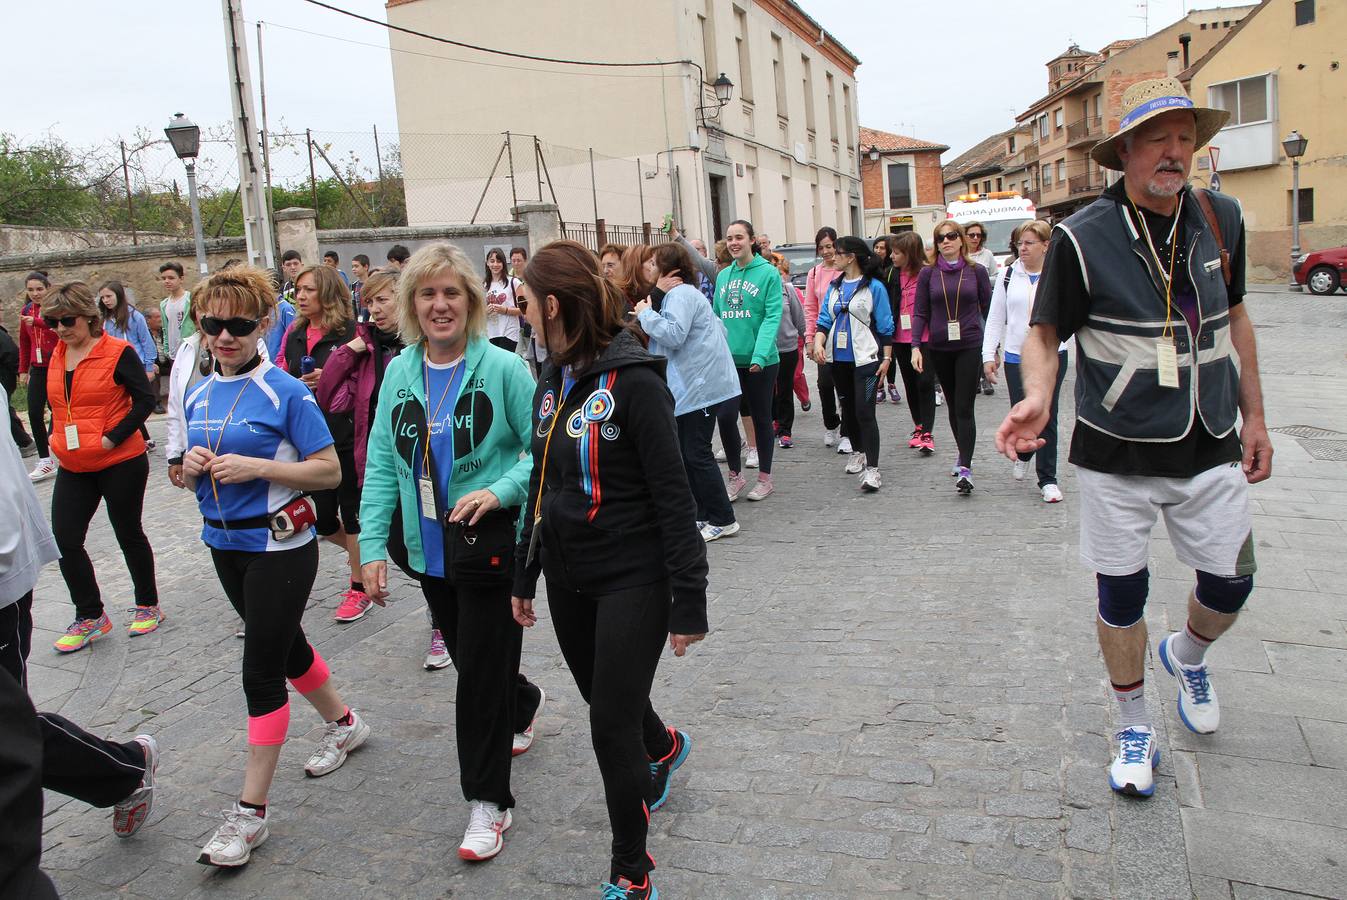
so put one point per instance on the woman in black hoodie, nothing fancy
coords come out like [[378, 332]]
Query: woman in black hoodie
[[611, 525]]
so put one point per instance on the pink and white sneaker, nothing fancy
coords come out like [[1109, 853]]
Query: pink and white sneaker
[[353, 606]]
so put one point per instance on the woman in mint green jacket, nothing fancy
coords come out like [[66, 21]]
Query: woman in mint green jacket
[[447, 446]]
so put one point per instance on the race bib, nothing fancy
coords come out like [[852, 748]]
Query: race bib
[[952, 331], [1167, 363]]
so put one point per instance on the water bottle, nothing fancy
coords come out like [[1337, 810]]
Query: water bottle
[[306, 365]]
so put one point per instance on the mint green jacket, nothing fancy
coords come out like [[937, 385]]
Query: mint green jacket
[[497, 423]]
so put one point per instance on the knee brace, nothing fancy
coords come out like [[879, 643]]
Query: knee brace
[[1122, 598], [314, 677], [269, 729], [1223, 593]]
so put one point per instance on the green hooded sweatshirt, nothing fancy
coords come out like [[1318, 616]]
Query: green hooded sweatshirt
[[498, 425], [748, 301]]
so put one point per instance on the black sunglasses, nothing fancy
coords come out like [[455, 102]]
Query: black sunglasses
[[975, 235], [67, 321], [238, 327], [949, 236]]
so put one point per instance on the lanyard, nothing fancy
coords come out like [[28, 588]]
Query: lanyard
[[951, 317], [214, 488], [425, 443], [1169, 277]]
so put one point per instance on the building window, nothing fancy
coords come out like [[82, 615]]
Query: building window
[[741, 45], [1010, 146], [1247, 100], [900, 186], [779, 77], [998, 184], [1047, 176], [846, 108], [832, 106], [708, 29], [1057, 118], [1306, 205], [1061, 171], [1304, 12], [808, 81]]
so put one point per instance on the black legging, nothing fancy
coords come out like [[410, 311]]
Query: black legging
[[74, 500], [919, 387], [612, 644], [827, 398], [269, 591], [493, 702], [506, 343], [856, 389], [784, 400], [37, 409], [756, 388], [960, 372]]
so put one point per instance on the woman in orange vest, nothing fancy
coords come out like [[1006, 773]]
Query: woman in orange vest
[[98, 405]]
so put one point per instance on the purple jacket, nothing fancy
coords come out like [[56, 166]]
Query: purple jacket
[[970, 295], [347, 386]]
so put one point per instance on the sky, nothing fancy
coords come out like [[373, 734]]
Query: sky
[[951, 73]]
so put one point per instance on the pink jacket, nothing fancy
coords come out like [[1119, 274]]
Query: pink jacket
[[903, 335], [815, 290], [347, 386]]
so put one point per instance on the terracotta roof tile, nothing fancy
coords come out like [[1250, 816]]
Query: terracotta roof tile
[[886, 142]]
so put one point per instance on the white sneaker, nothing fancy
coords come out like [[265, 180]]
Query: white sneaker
[[716, 532], [856, 464], [720, 454], [762, 489], [337, 743], [844, 445], [1052, 493], [954, 471], [751, 460], [870, 480], [1021, 469], [1133, 769], [437, 654], [233, 843], [830, 437], [485, 835], [1198, 706], [524, 739], [131, 812], [44, 469]]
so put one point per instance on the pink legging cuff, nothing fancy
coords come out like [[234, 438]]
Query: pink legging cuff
[[314, 678], [269, 730]]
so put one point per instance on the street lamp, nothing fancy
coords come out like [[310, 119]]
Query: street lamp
[[874, 153], [186, 140], [1295, 145], [724, 90]]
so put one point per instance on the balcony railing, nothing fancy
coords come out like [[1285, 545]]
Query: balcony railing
[[1089, 128], [1088, 183]]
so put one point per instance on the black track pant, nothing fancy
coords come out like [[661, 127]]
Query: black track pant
[[74, 500], [708, 488], [493, 701], [268, 591], [612, 644], [960, 372], [784, 401], [1046, 457], [756, 389], [37, 409], [21, 796], [827, 398], [918, 386], [856, 387]]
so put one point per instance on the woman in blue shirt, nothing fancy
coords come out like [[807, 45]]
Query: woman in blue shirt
[[257, 446], [122, 320], [855, 336]]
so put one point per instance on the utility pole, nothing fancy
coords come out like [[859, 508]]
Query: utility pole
[[256, 221]]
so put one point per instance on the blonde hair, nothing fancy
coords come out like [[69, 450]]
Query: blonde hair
[[378, 282], [1042, 230], [74, 298], [333, 295], [429, 262], [244, 290]]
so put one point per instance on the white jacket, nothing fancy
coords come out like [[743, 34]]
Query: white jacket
[[26, 542], [1008, 316], [185, 374]]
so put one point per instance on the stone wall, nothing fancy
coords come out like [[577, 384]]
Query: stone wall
[[16, 240]]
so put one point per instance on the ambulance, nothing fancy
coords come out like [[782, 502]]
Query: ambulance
[[1001, 212]]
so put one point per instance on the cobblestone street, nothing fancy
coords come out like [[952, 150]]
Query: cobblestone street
[[901, 694]]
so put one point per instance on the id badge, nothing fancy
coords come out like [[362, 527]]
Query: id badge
[[533, 541], [427, 490], [1167, 363], [37, 351], [842, 340], [952, 331], [905, 322], [72, 437]]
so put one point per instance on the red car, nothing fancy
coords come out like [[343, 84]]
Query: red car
[[1323, 271]]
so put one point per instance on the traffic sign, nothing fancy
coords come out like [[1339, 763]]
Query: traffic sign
[[1215, 181], [1215, 153]]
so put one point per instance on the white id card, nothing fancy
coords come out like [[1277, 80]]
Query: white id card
[[842, 340], [952, 331], [905, 322], [1167, 363], [72, 437], [427, 491], [37, 351]]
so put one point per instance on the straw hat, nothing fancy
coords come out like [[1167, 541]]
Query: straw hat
[[1144, 101]]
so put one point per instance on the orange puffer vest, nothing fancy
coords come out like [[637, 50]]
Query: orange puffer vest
[[95, 405]]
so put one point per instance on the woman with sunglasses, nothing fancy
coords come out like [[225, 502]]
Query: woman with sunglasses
[[981, 254], [124, 321], [37, 342], [257, 446], [460, 491], [909, 258], [611, 525], [817, 285], [855, 337], [947, 313], [324, 321], [884, 271], [1007, 327], [100, 398], [502, 302]]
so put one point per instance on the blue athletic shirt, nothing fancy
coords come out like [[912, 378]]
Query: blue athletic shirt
[[843, 323], [442, 381], [275, 417]]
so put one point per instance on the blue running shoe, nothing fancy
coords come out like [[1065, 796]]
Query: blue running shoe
[[662, 769], [1198, 707], [623, 889], [1133, 769]]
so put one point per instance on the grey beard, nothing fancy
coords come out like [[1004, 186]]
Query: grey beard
[[1155, 189]]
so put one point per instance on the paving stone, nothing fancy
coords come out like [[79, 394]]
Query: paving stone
[[1327, 742], [1307, 859], [896, 820], [1038, 835], [1281, 791], [1025, 806], [972, 829], [1089, 829]]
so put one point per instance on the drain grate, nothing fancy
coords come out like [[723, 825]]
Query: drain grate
[[1308, 431], [1328, 451]]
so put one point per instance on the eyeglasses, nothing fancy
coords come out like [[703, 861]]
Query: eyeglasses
[[238, 327], [67, 321], [949, 236]]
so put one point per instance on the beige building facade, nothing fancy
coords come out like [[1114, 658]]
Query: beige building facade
[[781, 153], [1281, 70]]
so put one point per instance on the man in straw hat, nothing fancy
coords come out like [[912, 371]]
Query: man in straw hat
[[1150, 280]]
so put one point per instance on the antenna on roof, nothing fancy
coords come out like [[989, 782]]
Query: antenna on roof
[[1145, 17]]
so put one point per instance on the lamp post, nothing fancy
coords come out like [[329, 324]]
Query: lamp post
[[724, 90], [186, 140], [1295, 145]]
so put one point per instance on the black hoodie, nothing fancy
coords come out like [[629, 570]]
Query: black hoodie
[[616, 508]]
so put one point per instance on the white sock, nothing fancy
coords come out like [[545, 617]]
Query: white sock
[[1132, 705]]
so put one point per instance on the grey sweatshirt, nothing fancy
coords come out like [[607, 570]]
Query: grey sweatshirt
[[26, 542], [792, 318]]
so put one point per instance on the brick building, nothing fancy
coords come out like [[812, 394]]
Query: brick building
[[902, 186]]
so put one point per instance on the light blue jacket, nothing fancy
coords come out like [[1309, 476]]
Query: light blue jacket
[[689, 334], [285, 314], [137, 334]]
